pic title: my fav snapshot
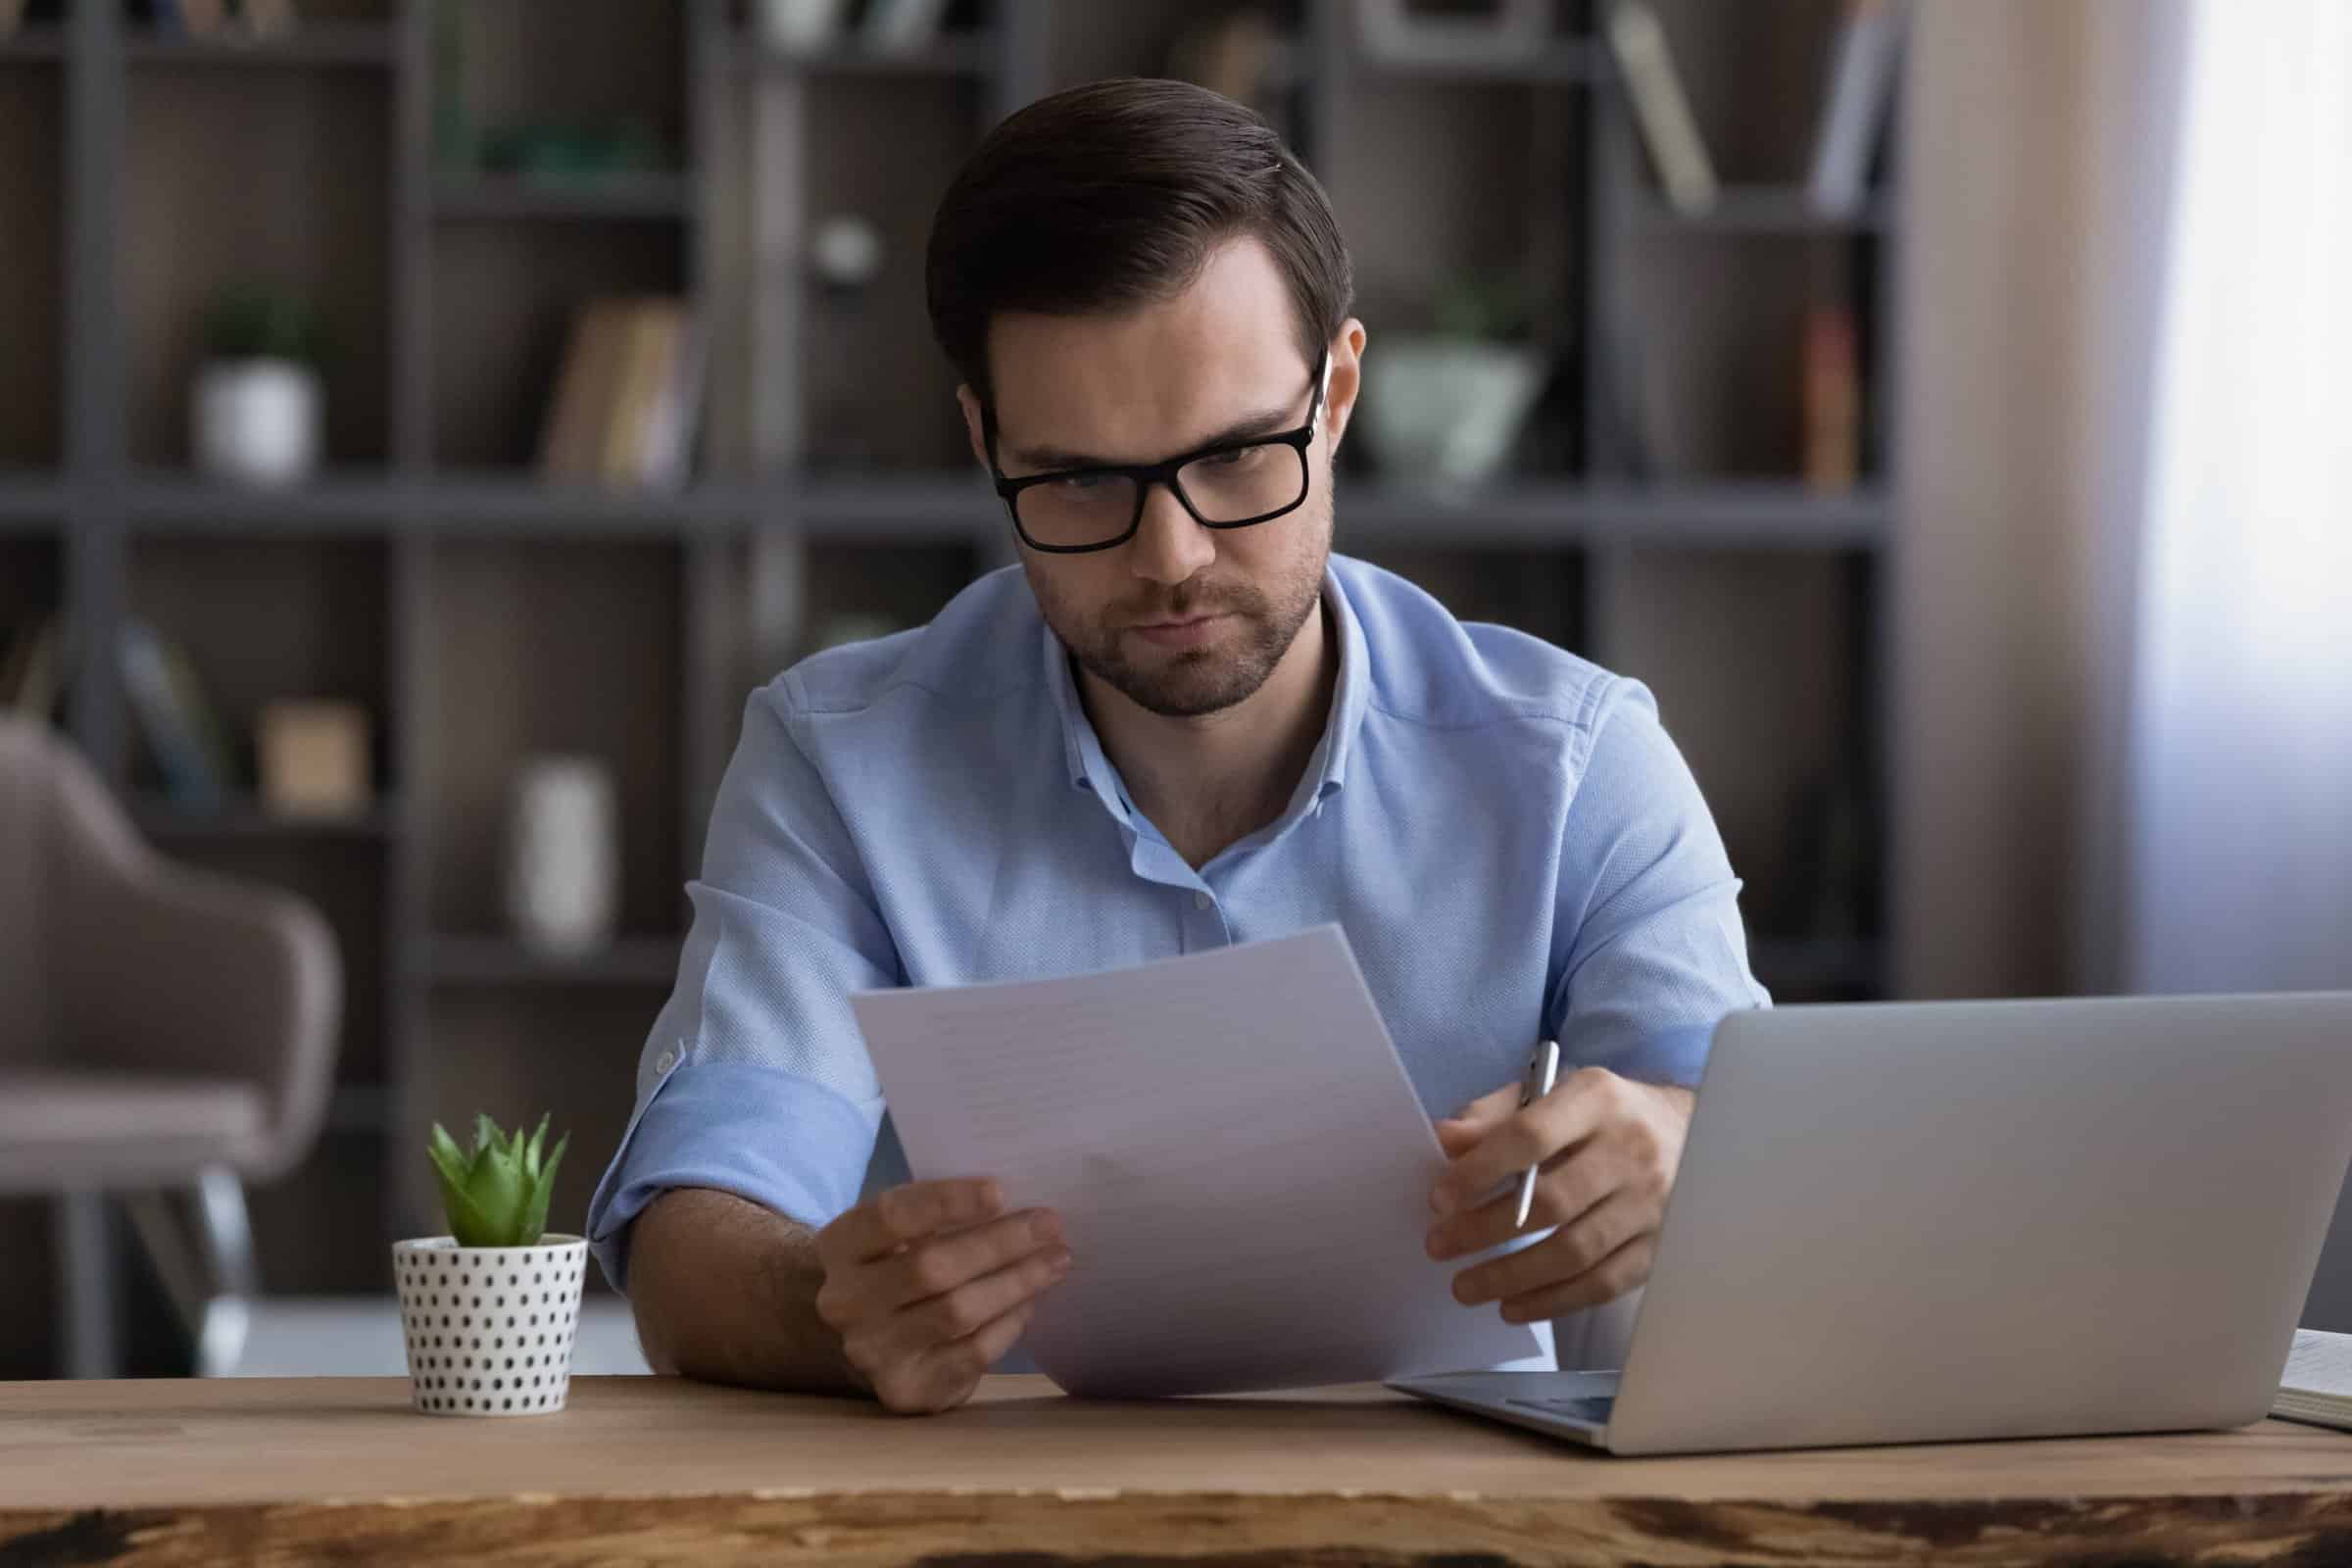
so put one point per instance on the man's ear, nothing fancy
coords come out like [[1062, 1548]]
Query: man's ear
[[1346, 378], [973, 425]]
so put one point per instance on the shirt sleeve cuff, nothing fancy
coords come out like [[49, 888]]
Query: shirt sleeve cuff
[[1676, 1055], [769, 1136]]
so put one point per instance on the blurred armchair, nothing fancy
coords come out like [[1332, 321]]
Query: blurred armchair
[[161, 1028]]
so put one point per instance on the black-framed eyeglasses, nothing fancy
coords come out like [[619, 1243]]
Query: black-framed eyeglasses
[[1232, 484]]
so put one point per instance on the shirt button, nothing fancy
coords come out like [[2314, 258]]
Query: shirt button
[[667, 1060], [1202, 900]]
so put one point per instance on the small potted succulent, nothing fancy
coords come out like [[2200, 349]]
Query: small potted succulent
[[490, 1310], [258, 406], [1445, 405]]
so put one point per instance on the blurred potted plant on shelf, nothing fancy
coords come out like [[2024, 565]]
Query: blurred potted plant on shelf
[[1448, 404], [258, 404], [490, 1310]]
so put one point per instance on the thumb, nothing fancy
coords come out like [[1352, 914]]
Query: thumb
[[1463, 1131]]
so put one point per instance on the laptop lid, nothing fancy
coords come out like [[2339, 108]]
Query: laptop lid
[[1943, 1221]]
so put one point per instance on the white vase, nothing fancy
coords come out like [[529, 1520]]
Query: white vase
[[489, 1329], [801, 27], [1446, 408], [255, 421], [564, 856]]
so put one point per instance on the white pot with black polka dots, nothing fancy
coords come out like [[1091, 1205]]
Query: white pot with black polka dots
[[490, 1329]]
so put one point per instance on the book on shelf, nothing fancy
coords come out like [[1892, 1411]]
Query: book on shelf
[[628, 396], [1864, 62], [181, 733], [267, 19], [196, 17], [1832, 399], [1661, 110], [668, 454], [314, 758]]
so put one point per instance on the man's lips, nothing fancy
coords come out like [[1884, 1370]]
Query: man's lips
[[1180, 633]]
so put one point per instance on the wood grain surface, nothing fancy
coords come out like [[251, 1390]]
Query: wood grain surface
[[654, 1470]]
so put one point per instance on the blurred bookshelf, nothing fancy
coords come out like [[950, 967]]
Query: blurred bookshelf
[[375, 159]]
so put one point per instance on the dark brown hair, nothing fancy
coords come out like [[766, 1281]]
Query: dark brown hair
[[1114, 195]]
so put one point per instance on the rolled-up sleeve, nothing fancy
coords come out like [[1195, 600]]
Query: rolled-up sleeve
[[755, 1079], [1648, 949]]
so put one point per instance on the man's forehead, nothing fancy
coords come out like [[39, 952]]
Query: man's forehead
[[1137, 381]]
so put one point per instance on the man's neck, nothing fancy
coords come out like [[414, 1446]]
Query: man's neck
[[1208, 782]]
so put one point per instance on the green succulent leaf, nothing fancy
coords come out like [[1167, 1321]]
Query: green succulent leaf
[[534, 1219], [447, 1156], [498, 1194], [531, 1156], [467, 1224]]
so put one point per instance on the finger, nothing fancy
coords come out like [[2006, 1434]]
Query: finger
[[1567, 1116], [1458, 1132], [1560, 1256], [977, 1303], [1605, 1281], [1564, 1193], [887, 1222], [945, 1376], [941, 1264], [1455, 1136], [1490, 1108]]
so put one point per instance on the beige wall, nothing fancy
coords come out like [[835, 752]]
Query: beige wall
[[2032, 243]]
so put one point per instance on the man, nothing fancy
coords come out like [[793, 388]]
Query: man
[[1182, 722]]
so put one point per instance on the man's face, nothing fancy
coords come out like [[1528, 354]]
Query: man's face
[[1184, 620]]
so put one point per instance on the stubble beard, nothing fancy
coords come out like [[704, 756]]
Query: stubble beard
[[1193, 682]]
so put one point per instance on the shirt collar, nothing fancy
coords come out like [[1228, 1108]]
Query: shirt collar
[[1091, 769]]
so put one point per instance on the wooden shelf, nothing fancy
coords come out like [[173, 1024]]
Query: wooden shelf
[[39, 42], [359, 500], [1509, 512], [914, 506], [246, 819], [502, 961], [309, 43], [31, 502], [490, 502], [1765, 514], [1565, 62], [623, 198], [480, 503], [962, 54]]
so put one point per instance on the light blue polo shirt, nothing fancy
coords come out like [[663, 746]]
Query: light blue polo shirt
[[1511, 842]]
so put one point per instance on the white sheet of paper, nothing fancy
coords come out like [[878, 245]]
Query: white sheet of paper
[[2319, 1367], [1241, 1165]]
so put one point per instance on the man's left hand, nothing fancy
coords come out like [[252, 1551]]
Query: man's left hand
[[1609, 1148]]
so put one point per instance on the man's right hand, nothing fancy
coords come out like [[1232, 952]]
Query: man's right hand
[[928, 1284]]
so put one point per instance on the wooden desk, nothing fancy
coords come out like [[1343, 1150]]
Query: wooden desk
[[652, 1470]]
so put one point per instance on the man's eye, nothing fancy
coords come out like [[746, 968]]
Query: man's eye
[[1240, 458], [1080, 483]]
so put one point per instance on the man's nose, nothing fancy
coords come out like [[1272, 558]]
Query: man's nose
[[1168, 545]]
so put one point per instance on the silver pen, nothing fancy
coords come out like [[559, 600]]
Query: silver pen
[[1543, 1071]]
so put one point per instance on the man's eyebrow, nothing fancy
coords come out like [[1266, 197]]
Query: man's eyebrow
[[1248, 427]]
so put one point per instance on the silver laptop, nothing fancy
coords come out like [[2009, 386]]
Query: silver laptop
[[2006, 1219]]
